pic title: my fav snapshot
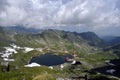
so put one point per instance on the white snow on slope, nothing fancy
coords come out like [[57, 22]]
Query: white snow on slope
[[33, 65], [73, 62], [111, 71], [8, 51], [50, 67], [6, 59], [15, 46], [108, 62], [28, 49]]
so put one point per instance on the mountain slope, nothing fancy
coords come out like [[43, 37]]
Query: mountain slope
[[54, 39], [108, 38], [111, 40], [114, 41], [114, 49], [92, 39], [4, 38]]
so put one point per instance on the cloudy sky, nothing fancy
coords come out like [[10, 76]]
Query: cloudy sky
[[100, 16]]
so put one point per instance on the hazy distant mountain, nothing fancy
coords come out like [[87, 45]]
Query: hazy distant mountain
[[113, 44], [114, 41], [92, 39], [111, 40], [108, 38], [22, 29], [114, 49]]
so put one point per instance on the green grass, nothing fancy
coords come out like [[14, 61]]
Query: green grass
[[22, 58], [44, 76], [28, 73], [100, 57], [43, 72]]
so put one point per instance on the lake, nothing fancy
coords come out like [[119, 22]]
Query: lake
[[50, 59]]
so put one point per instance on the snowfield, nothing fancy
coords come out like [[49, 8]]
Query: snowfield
[[28, 49], [8, 51], [6, 59], [111, 71], [33, 65]]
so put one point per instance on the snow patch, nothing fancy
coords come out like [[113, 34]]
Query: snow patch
[[15, 46], [111, 71], [6, 59], [33, 65], [61, 67], [108, 62], [73, 62], [1, 53], [28, 49], [39, 49], [50, 67], [8, 51]]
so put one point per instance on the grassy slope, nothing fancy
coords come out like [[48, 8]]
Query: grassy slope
[[48, 74], [53, 39], [41, 40], [4, 39], [27, 73]]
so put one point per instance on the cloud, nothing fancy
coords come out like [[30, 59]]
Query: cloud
[[3, 5], [94, 14], [90, 13]]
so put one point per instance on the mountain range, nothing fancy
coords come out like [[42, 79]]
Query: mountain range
[[91, 50], [56, 39]]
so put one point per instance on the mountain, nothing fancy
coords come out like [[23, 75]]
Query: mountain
[[54, 39], [114, 41], [92, 39], [21, 29], [84, 45], [114, 49], [113, 44], [111, 40], [4, 38], [108, 38]]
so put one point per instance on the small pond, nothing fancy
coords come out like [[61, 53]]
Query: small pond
[[50, 59]]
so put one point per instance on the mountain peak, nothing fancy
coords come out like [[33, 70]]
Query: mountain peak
[[92, 38]]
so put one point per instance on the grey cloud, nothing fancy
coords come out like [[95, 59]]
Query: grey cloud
[[90, 13], [95, 14], [3, 4]]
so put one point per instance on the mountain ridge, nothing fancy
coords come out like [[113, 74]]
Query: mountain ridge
[[92, 39], [54, 39]]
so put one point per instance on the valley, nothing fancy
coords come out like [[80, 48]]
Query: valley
[[78, 55]]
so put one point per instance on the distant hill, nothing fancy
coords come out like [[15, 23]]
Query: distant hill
[[92, 39], [22, 29], [113, 44], [114, 41], [111, 40], [114, 49], [108, 38]]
